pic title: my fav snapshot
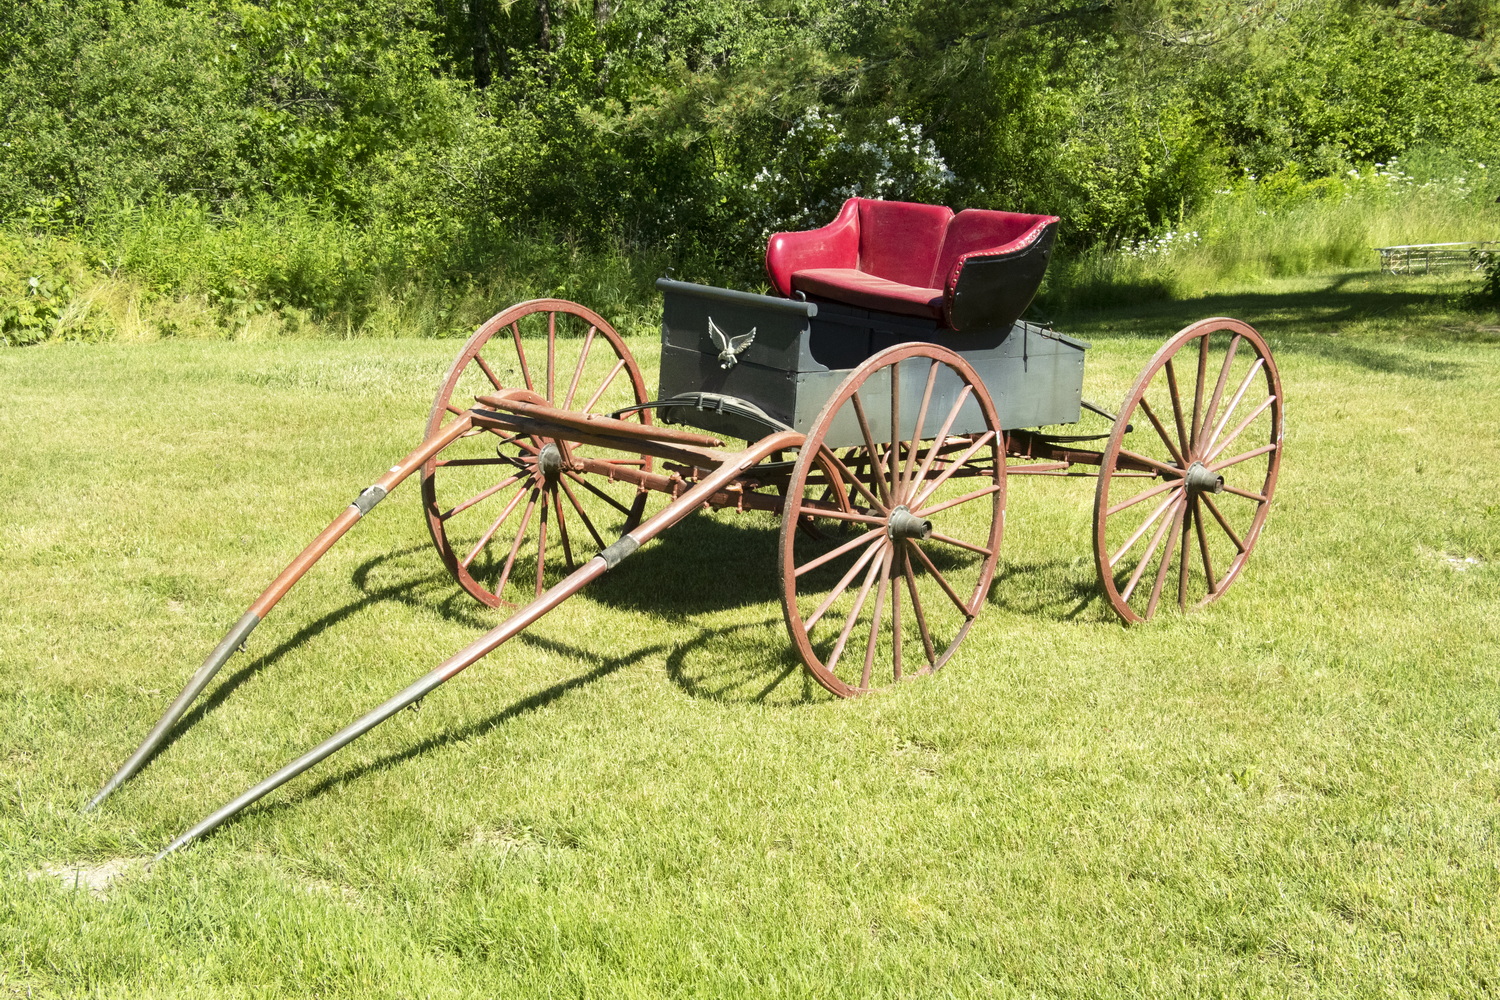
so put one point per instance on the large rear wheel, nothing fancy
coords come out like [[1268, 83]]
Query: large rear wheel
[[1207, 419]]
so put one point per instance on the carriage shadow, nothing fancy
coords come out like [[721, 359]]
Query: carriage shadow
[[711, 664]]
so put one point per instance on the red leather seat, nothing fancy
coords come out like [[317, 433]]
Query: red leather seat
[[974, 269]]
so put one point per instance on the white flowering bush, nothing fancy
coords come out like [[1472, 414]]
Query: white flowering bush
[[1160, 246], [824, 159]]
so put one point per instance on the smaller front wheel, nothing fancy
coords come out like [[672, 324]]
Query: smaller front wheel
[[893, 517], [1181, 501], [511, 514]]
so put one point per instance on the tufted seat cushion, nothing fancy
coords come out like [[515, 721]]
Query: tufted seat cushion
[[856, 288], [973, 269]]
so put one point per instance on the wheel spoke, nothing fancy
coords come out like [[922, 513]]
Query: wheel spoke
[[562, 528], [890, 577], [488, 373], [1213, 402], [857, 540], [485, 538], [1243, 456], [1166, 560], [1161, 432], [515, 546], [1143, 495], [1182, 434], [1162, 467], [916, 604], [1161, 509], [877, 472], [1208, 563], [551, 358], [859, 604], [885, 582], [594, 399], [942, 434], [541, 546], [843, 515], [894, 455], [515, 333], [482, 495], [986, 491], [1257, 497], [617, 505], [916, 434], [1198, 390], [953, 467], [583, 356], [1182, 557], [960, 543], [587, 522], [1235, 401], [840, 587], [1151, 548], [942, 580], [844, 471], [1213, 509], [1234, 434]]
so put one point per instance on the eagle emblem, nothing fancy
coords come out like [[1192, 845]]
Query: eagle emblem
[[730, 348]]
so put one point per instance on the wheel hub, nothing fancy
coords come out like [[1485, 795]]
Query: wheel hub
[[549, 462], [1201, 480], [904, 524]]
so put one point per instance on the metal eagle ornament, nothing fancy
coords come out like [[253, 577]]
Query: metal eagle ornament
[[730, 348]]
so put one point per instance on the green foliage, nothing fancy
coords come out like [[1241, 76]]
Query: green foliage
[[326, 155], [33, 315], [1489, 288]]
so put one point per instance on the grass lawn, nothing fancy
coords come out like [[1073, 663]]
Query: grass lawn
[[1294, 792]]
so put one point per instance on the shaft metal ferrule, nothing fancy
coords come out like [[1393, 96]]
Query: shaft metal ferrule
[[904, 524], [368, 498], [195, 686]]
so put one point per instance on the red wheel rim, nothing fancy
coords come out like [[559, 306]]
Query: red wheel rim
[[1165, 529], [508, 514], [873, 597]]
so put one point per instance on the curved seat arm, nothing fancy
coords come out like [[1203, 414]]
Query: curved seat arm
[[991, 288], [833, 245]]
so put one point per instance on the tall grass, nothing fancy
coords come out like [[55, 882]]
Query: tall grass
[[1284, 225], [285, 268]]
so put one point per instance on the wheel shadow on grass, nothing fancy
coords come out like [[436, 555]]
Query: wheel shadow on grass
[[1054, 589]]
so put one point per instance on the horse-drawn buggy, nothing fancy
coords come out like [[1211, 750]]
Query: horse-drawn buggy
[[877, 401]]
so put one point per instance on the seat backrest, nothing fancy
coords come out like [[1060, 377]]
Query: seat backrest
[[900, 240], [978, 229]]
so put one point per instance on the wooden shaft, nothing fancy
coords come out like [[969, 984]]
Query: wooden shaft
[[272, 594], [455, 664]]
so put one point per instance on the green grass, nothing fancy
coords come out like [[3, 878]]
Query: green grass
[[1293, 792]]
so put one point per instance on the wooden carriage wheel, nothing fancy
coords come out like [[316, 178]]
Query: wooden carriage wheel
[[904, 551], [509, 513], [1210, 431]]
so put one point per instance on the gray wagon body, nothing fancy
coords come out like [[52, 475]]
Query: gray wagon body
[[802, 351]]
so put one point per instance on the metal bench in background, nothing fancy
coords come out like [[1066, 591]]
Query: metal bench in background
[[1422, 258]]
